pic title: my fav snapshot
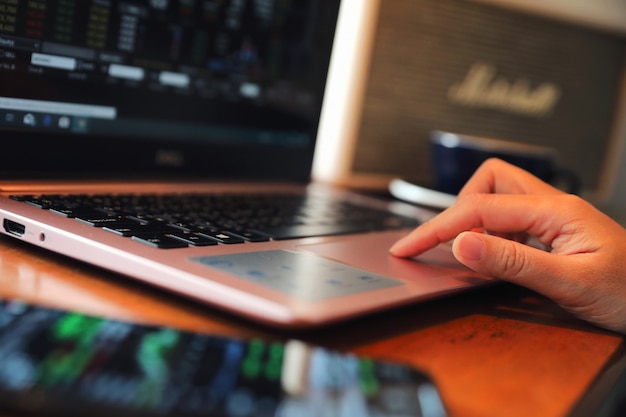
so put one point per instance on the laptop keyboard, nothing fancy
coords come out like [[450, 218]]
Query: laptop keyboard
[[176, 221]]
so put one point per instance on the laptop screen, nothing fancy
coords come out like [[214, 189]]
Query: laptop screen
[[222, 88]]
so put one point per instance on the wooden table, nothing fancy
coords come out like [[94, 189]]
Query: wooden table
[[498, 351]]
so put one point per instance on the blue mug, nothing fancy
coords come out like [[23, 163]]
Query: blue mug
[[457, 156]]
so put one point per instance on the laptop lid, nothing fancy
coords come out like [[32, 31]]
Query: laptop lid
[[200, 89], [162, 88]]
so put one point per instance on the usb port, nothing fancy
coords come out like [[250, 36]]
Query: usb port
[[13, 227]]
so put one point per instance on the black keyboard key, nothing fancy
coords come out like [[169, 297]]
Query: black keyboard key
[[193, 239], [130, 228], [250, 235], [66, 212], [160, 241], [120, 229], [37, 202], [221, 236], [101, 219]]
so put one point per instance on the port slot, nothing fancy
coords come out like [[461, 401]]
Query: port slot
[[13, 227]]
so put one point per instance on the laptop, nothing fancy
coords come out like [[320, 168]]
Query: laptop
[[116, 115]]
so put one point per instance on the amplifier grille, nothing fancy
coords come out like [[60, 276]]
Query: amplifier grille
[[478, 69]]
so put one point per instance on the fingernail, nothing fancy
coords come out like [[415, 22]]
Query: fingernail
[[470, 247]]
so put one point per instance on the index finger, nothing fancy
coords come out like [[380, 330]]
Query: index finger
[[500, 213]]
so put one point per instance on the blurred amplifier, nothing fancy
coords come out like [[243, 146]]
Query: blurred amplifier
[[403, 68]]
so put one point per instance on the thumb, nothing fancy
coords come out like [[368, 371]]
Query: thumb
[[510, 261]]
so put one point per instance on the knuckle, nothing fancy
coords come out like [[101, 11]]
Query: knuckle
[[491, 162], [475, 201], [571, 200], [573, 206]]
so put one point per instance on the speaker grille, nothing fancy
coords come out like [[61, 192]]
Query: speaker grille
[[424, 48]]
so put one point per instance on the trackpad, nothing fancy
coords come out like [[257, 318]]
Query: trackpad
[[299, 274], [435, 268]]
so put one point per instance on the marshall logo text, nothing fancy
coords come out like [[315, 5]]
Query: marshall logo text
[[482, 88]]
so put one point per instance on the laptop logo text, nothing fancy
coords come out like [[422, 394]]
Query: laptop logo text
[[483, 88], [169, 158]]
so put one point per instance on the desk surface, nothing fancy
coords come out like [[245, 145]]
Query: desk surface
[[498, 351]]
